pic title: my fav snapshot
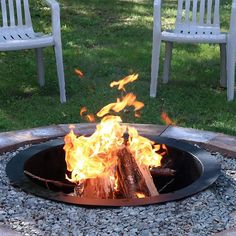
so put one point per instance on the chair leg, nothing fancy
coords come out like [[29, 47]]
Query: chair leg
[[230, 70], [40, 66], [223, 74], [155, 65], [60, 72], [167, 61]]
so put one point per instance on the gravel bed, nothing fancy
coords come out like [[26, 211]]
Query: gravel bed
[[205, 213]]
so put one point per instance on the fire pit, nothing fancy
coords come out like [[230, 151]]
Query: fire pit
[[115, 165], [41, 169]]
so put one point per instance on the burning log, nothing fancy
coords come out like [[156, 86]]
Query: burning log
[[160, 171], [134, 180], [99, 187], [102, 165]]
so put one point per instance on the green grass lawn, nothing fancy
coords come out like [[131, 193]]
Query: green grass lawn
[[107, 40]]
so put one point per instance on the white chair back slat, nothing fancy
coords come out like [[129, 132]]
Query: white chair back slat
[[216, 17], [209, 11], [15, 13], [202, 12], [27, 14], [179, 12], [4, 13], [187, 10], [11, 12], [19, 13], [197, 17], [194, 13]]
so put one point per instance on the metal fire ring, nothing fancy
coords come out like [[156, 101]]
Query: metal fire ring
[[210, 170]]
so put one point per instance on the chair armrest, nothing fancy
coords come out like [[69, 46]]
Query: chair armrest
[[157, 16], [55, 16]]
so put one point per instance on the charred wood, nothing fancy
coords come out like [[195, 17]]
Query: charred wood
[[100, 187], [134, 180], [160, 171]]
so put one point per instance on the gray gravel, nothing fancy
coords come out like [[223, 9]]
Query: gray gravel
[[205, 213]]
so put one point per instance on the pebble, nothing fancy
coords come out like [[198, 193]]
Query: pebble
[[205, 213]]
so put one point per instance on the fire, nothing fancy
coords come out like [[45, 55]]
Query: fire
[[167, 119], [97, 155], [79, 73], [121, 83], [143, 149], [88, 117], [120, 104], [140, 195], [83, 110], [90, 157]]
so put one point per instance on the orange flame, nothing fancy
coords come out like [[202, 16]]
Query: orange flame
[[96, 156], [83, 110], [88, 117], [140, 195], [71, 127], [90, 157], [79, 73], [167, 119], [143, 149], [121, 83], [128, 100]]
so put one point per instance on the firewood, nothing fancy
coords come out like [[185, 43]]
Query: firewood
[[99, 187], [133, 179], [160, 171]]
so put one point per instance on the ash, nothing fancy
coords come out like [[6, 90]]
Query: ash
[[205, 213]]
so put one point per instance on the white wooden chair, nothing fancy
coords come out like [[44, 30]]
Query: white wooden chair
[[197, 21], [16, 33]]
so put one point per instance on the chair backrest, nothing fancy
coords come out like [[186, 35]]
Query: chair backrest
[[15, 13], [197, 17]]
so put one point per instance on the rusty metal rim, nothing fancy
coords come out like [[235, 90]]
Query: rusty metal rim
[[210, 170]]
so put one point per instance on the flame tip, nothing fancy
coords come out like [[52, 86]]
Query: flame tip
[[79, 73]]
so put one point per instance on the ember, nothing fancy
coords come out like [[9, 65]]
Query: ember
[[115, 161]]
